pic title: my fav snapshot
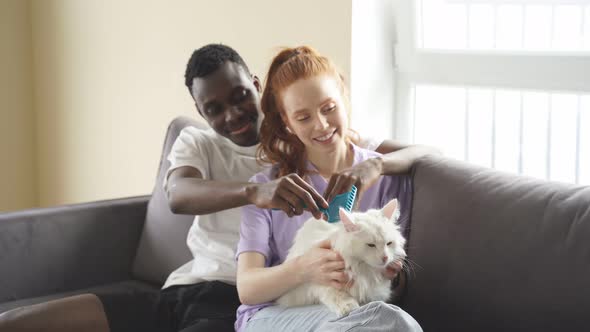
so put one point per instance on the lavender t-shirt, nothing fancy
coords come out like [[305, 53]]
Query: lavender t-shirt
[[271, 232]]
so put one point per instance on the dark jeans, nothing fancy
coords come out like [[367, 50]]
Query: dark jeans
[[206, 306]]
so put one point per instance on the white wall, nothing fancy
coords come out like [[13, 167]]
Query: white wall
[[108, 78]]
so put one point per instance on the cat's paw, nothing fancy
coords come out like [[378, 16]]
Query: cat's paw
[[343, 307]]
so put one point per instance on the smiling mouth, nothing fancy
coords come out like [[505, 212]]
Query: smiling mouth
[[241, 130], [325, 138]]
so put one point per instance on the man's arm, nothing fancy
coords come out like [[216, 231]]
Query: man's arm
[[189, 193], [397, 158]]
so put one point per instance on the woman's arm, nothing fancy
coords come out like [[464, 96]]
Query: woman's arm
[[258, 284]]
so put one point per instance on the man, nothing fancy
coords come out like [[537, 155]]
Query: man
[[208, 178]]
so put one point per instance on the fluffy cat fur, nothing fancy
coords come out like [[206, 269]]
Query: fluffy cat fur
[[367, 241]]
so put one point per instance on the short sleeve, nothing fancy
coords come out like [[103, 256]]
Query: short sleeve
[[255, 232], [369, 142], [189, 150], [255, 228]]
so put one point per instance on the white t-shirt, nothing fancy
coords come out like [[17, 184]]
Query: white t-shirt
[[212, 239]]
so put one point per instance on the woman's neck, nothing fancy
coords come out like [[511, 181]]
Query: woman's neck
[[331, 162]]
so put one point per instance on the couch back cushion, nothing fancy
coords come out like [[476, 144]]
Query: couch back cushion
[[162, 247], [497, 252]]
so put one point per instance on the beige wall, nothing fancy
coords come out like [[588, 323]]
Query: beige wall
[[18, 171], [108, 78]]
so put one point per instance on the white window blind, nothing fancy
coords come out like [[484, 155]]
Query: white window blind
[[517, 25], [530, 132], [504, 84]]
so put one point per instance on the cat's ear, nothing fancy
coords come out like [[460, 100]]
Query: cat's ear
[[346, 219], [389, 209]]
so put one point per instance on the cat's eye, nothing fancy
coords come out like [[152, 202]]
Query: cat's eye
[[371, 245], [389, 243], [329, 109]]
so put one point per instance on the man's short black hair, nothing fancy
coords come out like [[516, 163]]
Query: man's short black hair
[[208, 59]]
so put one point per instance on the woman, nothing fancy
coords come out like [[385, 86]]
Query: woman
[[305, 134]]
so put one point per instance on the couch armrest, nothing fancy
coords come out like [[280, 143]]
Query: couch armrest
[[44, 251]]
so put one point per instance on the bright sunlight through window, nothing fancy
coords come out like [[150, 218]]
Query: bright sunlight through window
[[525, 25]]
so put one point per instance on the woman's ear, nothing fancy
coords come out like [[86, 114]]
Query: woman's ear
[[286, 122]]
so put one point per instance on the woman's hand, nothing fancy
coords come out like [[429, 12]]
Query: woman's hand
[[363, 175], [289, 193], [398, 280], [322, 265], [392, 270]]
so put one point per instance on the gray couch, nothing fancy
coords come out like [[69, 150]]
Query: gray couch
[[115, 245], [490, 251]]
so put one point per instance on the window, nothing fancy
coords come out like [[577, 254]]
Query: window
[[517, 25], [504, 84]]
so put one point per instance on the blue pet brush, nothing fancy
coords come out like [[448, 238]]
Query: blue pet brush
[[345, 200]]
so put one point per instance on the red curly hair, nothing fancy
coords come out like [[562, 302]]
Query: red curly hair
[[277, 145]]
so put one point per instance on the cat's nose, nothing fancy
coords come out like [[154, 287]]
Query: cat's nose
[[384, 259]]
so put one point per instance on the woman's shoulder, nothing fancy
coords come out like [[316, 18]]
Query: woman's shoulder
[[266, 175], [362, 154]]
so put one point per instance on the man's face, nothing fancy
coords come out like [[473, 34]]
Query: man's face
[[229, 101]]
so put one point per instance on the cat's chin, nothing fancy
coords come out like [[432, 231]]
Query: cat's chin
[[380, 266]]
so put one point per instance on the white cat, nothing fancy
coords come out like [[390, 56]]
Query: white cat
[[367, 241]]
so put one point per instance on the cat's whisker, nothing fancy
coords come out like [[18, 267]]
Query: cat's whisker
[[410, 267], [414, 264], [408, 263]]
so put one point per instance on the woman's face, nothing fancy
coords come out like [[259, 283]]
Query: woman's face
[[314, 111]]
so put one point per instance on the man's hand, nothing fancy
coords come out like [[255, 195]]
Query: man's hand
[[363, 175], [289, 193]]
